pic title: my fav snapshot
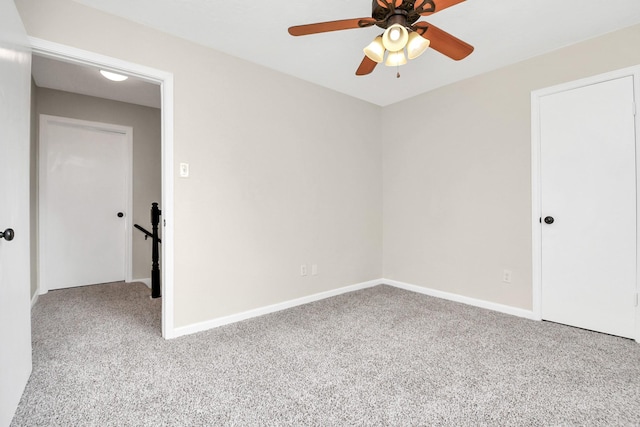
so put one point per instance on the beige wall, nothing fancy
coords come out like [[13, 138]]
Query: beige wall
[[286, 173], [146, 125], [457, 194], [283, 172]]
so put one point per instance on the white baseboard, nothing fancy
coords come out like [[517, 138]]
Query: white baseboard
[[221, 321], [145, 281], [514, 311], [34, 298]]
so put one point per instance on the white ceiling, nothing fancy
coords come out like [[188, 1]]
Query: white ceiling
[[54, 74], [502, 31]]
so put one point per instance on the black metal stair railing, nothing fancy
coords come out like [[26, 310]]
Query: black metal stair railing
[[155, 250]]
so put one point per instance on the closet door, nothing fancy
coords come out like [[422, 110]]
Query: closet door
[[15, 312], [588, 205]]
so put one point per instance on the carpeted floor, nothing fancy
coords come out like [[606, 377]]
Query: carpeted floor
[[381, 356]]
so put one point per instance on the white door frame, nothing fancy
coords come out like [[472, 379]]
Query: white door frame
[[43, 210], [536, 227], [165, 81]]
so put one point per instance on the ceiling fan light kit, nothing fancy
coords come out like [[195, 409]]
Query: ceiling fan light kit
[[402, 31], [395, 38], [375, 50], [416, 45], [395, 59]]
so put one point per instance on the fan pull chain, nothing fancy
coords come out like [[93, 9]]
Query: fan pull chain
[[397, 71]]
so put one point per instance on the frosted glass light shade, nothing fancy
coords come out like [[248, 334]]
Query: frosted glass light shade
[[416, 45], [396, 58], [375, 50], [395, 38], [113, 76]]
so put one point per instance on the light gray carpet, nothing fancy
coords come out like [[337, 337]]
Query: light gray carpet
[[381, 356]]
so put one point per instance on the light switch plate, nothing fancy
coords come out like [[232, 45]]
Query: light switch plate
[[184, 170]]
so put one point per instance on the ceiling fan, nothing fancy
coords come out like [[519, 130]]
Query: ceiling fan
[[402, 32]]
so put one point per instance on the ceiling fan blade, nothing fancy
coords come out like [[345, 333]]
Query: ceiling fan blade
[[443, 42], [429, 7], [387, 3], [366, 67], [324, 27]]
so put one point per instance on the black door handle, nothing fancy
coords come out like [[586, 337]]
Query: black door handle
[[549, 220], [120, 214], [7, 234]]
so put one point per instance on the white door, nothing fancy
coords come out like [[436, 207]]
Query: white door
[[84, 193], [588, 187], [15, 320]]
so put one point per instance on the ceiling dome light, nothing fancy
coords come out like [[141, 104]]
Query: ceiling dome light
[[396, 58], [375, 50], [113, 76], [416, 45], [395, 38]]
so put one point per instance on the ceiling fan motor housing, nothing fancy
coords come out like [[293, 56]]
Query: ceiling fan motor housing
[[405, 14]]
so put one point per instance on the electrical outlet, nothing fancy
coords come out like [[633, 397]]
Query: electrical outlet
[[303, 270], [506, 276], [314, 269]]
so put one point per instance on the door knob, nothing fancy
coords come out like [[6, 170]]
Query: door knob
[[549, 220], [7, 234], [120, 214]]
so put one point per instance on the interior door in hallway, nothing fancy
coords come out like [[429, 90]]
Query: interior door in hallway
[[84, 192], [588, 201], [15, 314]]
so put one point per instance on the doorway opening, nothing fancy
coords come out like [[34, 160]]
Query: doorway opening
[[161, 83]]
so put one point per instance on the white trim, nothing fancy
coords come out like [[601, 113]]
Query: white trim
[[221, 321], [34, 298], [536, 238], [233, 318], [45, 121], [167, 275], [536, 201], [73, 55], [128, 249], [636, 99], [507, 309], [165, 80]]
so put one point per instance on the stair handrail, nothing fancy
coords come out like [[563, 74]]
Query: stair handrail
[[155, 252], [146, 232]]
